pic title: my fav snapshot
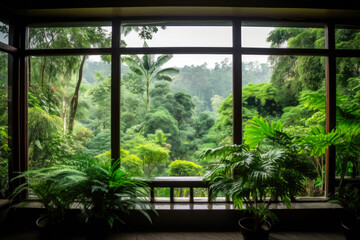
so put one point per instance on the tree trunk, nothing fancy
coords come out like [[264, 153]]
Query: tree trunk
[[43, 72], [63, 98], [29, 70], [75, 100], [147, 95]]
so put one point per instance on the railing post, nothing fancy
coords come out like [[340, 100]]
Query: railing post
[[172, 194], [152, 194], [191, 195]]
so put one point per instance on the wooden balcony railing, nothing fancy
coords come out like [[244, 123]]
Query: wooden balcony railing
[[177, 182]]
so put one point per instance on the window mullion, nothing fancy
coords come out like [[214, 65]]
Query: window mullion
[[115, 90], [330, 65], [237, 84]]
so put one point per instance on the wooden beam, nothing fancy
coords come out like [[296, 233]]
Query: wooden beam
[[18, 114], [7, 48], [285, 51], [68, 52], [330, 107]]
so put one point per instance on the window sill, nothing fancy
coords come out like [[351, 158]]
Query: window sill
[[210, 206], [4, 203]]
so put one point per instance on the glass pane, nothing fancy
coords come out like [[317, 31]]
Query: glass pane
[[260, 35], [347, 37], [176, 35], [4, 124], [182, 195], [162, 194], [289, 91], [200, 194], [4, 33], [69, 109], [172, 113], [348, 117], [69, 37]]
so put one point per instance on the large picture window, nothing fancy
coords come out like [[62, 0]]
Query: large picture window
[[174, 89]]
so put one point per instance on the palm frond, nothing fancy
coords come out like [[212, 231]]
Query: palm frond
[[258, 129], [167, 71], [160, 61]]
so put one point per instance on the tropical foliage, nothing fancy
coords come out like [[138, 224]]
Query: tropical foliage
[[103, 192], [256, 178]]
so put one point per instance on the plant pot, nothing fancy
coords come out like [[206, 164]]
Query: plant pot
[[42, 222], [246, 227], [97, 228], [351, 232], [50, 230]]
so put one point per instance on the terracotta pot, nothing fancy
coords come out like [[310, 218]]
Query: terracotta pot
[[250, 234]]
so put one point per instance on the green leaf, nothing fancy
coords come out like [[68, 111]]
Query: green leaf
[[38, 144]]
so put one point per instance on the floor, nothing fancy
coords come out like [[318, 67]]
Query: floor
[[224, 236], [187, 236], [32, 233]]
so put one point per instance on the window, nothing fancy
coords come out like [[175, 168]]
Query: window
[[176, 34], [69, 103], [4, 126], [4, 33], [171, 104], [173, 107], [69, 37], [347, 117], [282, 35], [347, 37], [172, 89]]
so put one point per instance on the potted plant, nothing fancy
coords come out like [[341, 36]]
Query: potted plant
[[53, 189], [256, 180], [103, 191], [266, 169], [348, 197], [109, 192]]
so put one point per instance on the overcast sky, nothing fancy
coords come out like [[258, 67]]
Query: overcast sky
[[193, 36], [198, 36]]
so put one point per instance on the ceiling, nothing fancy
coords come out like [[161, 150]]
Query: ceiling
[[278, 9]]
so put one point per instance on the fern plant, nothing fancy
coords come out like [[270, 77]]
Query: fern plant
[[110, 191], [103, 192], [260, 132], [55, 188]]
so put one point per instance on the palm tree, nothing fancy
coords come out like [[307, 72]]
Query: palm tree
[[150, 69]]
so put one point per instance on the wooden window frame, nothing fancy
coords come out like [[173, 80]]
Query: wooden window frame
[[18, 81]]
